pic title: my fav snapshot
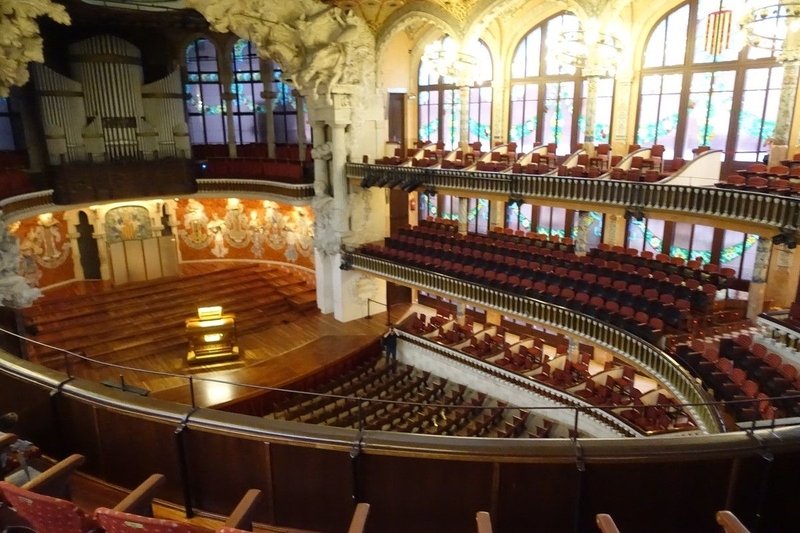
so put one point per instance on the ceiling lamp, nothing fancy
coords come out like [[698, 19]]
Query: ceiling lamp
[[767, 23], [446, 59], [588, 48]]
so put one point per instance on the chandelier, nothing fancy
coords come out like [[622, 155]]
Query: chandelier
[[767, 23], [595, 52], [445, 58]]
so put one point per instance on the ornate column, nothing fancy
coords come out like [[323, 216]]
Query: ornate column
[[591, 112], [464, 119], [779, 148], [614, 230], [497, 214], [269, 102], [338, 177], [225, 81], [622, 98], [301, 125], [463, 213], [14, 289], [99, 235], [758, 284], [581, 232]]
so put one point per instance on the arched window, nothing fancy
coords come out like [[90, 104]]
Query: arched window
[[284, 109], [440, 103], [11, 132], [249, 111], [701, 88], [204, 106], [544, 92]]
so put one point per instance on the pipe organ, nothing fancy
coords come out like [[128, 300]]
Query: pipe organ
[[105, 111]]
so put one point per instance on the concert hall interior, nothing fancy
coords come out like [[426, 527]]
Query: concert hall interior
[[399, 265]]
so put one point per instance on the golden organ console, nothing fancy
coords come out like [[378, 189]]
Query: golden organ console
[[212, 336]]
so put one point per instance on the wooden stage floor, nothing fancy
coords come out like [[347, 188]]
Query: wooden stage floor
[[272, 357]]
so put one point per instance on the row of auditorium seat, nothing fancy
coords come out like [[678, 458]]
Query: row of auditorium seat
[[756, 382], [289, 152], [44, 506], [410, 401], [258, 169], [561, 372], [771, 185]]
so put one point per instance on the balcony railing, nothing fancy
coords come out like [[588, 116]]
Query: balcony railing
[[652, 360], [756, 208], [291, 191], [18, 207]]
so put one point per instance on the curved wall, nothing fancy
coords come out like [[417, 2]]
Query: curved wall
[[311, 475]]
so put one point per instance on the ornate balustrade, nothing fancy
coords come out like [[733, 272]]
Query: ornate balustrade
[[652, 360], [258, 188], [752, 207], [18, 207]]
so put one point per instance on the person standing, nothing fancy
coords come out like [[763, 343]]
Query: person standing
[[390, 346]]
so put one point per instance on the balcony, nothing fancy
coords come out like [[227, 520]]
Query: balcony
[[735, 205], [652, 360]]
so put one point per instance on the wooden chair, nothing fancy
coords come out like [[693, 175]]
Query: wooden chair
[[730, 523], [44, 502]]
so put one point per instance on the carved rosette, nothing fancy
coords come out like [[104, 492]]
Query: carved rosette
[[20, 42]]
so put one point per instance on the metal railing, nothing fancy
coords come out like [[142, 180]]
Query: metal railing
[[739, 205], [652, 360]]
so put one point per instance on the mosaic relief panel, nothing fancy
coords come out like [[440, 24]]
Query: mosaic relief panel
[[45, 250], [245, 229], [128, 223]]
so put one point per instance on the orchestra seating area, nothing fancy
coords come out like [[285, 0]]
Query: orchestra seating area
[[783, 179], [376, 395], [610, 384], [646, 295], [154, 314], [758, 384]]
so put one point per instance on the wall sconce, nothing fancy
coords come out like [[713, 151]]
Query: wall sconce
[[412, 205], [412, 96]]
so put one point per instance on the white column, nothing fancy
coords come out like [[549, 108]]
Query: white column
[[779, 148], [581, 232], [269, 101], [497, 214], [225, 81], [758, 283], [338, 177], [321, 175], [463, 212], [591, 114], [301, 125], [464, 119]]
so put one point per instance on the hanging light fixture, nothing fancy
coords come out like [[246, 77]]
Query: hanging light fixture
[[447, 59], [589, 48], [768, 23]]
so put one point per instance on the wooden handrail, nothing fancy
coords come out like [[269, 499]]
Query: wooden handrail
[[55, 480], [484, 522], [140, 500], [242, 516], [606, 524], [359, 518], [730, 523]]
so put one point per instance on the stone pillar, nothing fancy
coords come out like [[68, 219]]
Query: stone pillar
[[301, 125], [500, 98], [493, 317], [779, 148], [581, 232], [73, 234], [758, 284], [321, 157], [622, 105], [463, 212], [269, 102], [338, 177], [497, 214], [323, 270], [102, 250], [614, 230], [591, 114], [461, 312], [464, 120], [227, 100], [573, 350]]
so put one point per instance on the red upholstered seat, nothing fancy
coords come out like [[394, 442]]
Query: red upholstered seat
[[45, 513], [118, 522]]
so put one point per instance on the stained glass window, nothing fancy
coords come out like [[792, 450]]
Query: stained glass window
[[478, 216], [204, 106], [284, 110], [700, 87], [544, 91], [594, 229], [249, 111], [552, 221], [646, 235], [11, 132], [519, 217]]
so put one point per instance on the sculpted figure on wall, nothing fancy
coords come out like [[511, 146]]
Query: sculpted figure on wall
[[315, 45], [20, 42], [14, 289]]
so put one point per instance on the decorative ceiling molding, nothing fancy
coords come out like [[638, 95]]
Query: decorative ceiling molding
[[408, 17]]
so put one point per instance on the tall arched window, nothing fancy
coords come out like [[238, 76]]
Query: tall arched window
[[700, 88], [480, 100], [285, 110], [249, 111], [544, 92], [11, 132], [439, 106], [205, 107]]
